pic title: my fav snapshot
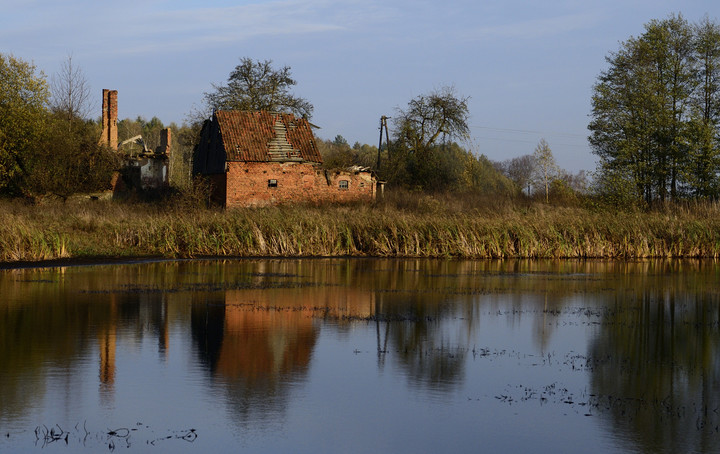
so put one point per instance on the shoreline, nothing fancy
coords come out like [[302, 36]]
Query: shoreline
[[126, 260]]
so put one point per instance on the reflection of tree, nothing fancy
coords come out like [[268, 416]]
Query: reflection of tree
[[657, 369], [425, 347], [51, 318], [255, 324]]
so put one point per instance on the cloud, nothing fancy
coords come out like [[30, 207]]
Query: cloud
[[537, 28], [133, 27]]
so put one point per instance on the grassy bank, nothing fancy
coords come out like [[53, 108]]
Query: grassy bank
[[414, 227]]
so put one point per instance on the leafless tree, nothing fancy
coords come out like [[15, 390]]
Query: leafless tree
[[546, 170], [520, 171], [70, 92]]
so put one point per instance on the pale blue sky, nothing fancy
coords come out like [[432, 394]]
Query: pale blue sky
[[527, 66]]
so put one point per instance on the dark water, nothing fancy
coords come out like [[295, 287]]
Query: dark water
[[358, 356]]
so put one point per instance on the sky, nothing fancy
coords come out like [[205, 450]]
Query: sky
[[528, 67]]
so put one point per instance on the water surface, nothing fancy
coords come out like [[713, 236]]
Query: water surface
[[361, 355]]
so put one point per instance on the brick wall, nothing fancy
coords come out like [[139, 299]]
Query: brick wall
[[165, 142], [268, 183]]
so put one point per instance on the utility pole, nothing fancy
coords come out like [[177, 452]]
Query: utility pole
[[383, 124]]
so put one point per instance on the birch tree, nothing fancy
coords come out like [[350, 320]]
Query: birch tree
[[545, 169]]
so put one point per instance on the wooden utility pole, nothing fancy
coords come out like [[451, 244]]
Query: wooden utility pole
[[383, 124]]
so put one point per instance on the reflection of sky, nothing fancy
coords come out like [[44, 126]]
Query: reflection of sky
[[468, 350]]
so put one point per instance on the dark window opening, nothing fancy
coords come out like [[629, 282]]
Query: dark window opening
[[272, 183], [344, 184]]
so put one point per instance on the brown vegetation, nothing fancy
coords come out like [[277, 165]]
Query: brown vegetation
[[402, 225]]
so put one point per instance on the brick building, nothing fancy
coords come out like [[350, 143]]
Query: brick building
[[147, 171], [266, 158]]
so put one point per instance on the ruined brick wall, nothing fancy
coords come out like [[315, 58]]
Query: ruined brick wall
[[269, 183], [109, 119], [165, 142]]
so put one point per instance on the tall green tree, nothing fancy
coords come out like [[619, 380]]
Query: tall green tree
[[651, 110], [703, 163], [24, 97], [257, 85]]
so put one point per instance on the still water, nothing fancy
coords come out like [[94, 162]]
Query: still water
[[361, 355]]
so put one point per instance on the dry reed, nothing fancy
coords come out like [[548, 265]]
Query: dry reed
[[413, 226]]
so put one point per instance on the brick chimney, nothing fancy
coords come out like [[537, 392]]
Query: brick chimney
[[109, 119], [165, 142]]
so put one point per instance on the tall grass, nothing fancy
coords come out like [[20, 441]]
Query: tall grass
[[403, 225]]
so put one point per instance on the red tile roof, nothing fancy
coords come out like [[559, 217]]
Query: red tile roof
[[258, 136]]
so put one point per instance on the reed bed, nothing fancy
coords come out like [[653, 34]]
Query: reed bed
[[428, 227]]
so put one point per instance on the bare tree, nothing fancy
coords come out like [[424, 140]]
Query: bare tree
[[520, 171], [546, 170], [70, 92]]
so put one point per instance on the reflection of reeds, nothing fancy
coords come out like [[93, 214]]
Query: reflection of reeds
[[422, 229]]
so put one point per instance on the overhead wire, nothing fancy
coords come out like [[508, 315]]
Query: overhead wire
[[529, 131], [523, 133]]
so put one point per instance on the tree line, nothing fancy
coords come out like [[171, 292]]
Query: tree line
[[49, 144], [655, 127], [655, 120]]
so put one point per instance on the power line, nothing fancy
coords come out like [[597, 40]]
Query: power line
[[532, 142], [529, 131]]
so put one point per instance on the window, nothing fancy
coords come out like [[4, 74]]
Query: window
[[344, 184], [272, 183]]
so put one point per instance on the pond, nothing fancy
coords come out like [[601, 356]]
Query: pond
[[361, 355]]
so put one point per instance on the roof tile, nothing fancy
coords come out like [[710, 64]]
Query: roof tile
[[247, 136]]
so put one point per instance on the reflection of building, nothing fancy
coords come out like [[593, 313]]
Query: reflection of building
[[263, 342], [144, 311], [107, 346], [271, 332], [258, 342]]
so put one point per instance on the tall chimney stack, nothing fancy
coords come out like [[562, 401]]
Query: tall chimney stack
[[109, 119]]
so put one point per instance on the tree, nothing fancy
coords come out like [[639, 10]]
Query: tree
[[707, 59], [70, 92], [427, 118], [481, 176], [67, 162], [423, 145], [546, 170], [256, 85], [652, 110], [520, 171], [337, 153], [23, 100], [703, 163]]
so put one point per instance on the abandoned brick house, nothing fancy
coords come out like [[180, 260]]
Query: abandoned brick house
[[265, 158], [146, 171]]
